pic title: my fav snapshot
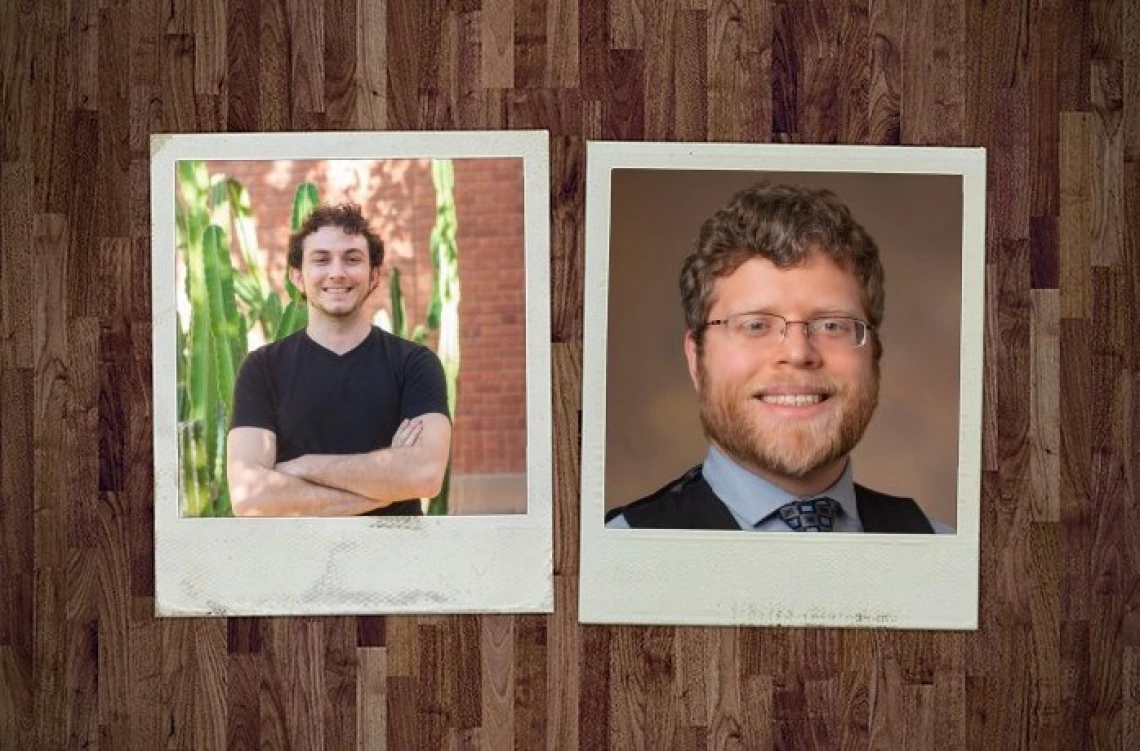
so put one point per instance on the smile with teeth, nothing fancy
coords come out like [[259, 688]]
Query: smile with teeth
[[792, 400]]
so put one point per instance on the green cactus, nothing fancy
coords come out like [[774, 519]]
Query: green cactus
[[225, 303]]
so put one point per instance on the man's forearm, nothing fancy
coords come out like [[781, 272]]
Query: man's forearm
[[386, 475], [258, 491]]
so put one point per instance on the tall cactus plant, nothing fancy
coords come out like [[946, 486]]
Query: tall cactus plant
[[443, 310], [222, 304]]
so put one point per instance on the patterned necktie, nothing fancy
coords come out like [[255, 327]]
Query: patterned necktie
[[815, 515]]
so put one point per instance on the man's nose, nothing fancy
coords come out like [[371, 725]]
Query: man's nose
[[797, 346]]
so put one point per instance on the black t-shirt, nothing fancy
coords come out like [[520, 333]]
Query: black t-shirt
[[319, 402]]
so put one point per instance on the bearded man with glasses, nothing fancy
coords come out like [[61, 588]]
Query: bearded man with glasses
[[783, 297]]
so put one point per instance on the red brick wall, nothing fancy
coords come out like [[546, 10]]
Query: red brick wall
[[492, 390], [399, 199]]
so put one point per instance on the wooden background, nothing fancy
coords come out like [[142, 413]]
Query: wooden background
[[1050, 87]]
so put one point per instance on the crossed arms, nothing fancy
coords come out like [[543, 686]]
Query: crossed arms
[[336, 484]]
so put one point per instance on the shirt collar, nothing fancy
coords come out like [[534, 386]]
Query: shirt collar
[[751, 498]]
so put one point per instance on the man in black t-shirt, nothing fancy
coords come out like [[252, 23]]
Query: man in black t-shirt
[[340, 418]]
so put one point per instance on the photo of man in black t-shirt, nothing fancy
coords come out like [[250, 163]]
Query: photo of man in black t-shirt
[[340, 418]]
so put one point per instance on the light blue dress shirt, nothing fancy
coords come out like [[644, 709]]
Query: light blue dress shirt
[[751, 498]]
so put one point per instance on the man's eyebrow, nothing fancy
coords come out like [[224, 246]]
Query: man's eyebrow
[[326, 251], [823, 311], [842, 311]]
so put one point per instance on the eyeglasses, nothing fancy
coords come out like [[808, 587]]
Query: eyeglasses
[[836, 332]]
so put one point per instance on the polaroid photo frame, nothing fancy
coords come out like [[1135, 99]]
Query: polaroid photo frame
[[926, 209], [498, 560]]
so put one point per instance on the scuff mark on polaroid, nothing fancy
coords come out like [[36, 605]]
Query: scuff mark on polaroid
[[410, 523], [158, 142]]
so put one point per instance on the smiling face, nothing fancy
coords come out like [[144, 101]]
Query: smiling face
[[335, 275], [790, 411]]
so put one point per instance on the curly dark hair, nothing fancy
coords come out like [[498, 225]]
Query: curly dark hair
[[349, 218], [781, 223]]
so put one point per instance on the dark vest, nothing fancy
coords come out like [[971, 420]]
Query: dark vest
[[689, 503]]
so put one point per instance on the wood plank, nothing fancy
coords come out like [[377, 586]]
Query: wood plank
[[531, 55], [340, 665], [660, 53], [724, 692], [567, 436], [341, 36], [293, 686], [243, 702], [83, 50], [561, 44], [306, 58], [529, 678], [497, 52], [210, 58], [1075, 216], [371, 66], [50, 493], [852, 32], [17, 558], [433, 711], [497, 681], [739, 58], [627, 24], [594, 691], [562, 666], [1044, 93], [241, 65], [933, 85], [16, 261], [208, 693], [371, 699], [1045, 400], [273, 69], [887, 29]]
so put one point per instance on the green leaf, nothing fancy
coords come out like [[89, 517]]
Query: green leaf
[[397, 308], [442, 314], [270, 315], [225, 326], [295, 318], [304, 201]]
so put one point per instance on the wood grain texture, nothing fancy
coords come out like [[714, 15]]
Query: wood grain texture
[[1050, 88]]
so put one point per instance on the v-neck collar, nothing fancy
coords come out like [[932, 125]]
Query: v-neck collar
[[327, 353]]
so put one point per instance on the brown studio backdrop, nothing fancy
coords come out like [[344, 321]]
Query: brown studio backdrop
[[1050, 91], [653, 431], [398, 198]]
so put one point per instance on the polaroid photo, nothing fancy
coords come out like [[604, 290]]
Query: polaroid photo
[[737, 400], [351, 373]]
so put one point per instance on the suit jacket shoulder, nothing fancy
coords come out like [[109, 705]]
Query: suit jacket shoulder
[[890, 514], [685, 503]]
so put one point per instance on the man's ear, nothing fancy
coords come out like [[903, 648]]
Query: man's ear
[[693, 358], [295, 277], [373, 279]]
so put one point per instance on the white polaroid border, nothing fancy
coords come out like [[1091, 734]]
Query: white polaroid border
[[358, 565], [691, 577]]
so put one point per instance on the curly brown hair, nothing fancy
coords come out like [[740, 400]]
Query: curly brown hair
[[349, 218], [780, 223]]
